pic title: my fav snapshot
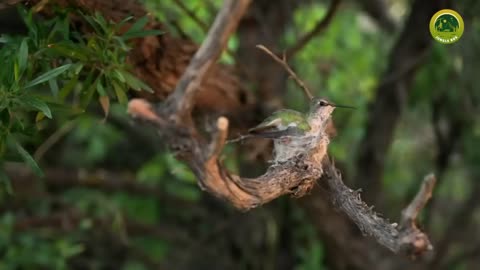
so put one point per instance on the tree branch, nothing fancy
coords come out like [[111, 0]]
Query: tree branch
[[284, 64], [406, 238], [225, 23], [409, 214], [319, 28], [296, 176], [191, 14], [172, 120]]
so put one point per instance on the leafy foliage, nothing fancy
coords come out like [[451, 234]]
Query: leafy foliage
[[56, 75], [75, 68]]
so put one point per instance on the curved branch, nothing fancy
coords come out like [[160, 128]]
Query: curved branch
[[295, 176]]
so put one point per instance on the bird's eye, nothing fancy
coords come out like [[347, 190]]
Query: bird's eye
[[322, 103]]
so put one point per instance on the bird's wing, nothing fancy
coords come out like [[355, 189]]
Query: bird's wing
[[277, 125], [298, 119], [274, 134]]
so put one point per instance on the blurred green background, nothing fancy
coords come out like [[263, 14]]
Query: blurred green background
[[115, 198]]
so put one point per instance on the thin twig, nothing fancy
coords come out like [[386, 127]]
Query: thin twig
[[284, 64], [319, 27], [192, 15], [53, 139]]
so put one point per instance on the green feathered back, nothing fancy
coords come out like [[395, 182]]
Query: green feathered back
[[287, 116]]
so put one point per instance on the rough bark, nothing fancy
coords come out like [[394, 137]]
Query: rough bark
[[296, 176], [173, 119]]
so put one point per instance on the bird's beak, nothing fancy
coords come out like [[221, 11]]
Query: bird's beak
[[342, 106]]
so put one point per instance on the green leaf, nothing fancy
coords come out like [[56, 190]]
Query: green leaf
[[53, 86], [78, 68], [119, 75], [122, 22], [100, 89], [48, 75], [73, 51], [143, 33], [102, 23], [37, 104], [65, 91], [92, 22], [138, 25], [23, 56], [88, 94], [6, 182], [135, 83], [27, 158], [120, 93]]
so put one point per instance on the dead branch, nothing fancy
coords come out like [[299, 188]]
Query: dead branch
[[406, 238], [409, 214], [296, 176], [173, 120], [225, 23], [319, 28], [284, 64]]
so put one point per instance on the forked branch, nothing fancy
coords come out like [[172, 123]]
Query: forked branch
[[406, 238], [295, 176], [173, 120]]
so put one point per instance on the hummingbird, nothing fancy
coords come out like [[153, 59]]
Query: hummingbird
[[293, 132]]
